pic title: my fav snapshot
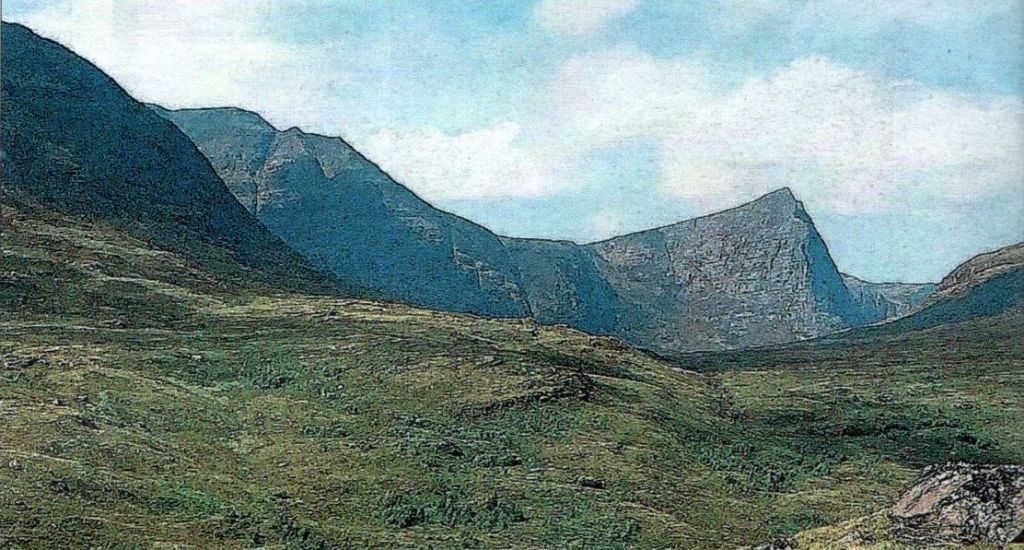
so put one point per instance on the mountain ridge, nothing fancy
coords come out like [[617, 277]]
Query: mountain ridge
[[348, 216], [75, 141], [412, 252]]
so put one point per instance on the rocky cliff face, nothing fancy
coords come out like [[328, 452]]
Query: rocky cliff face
[[889, 300], [75, 142], [754, 275], [564, 284], [348, 217]]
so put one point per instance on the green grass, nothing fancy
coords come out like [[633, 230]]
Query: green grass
[[144, 403]]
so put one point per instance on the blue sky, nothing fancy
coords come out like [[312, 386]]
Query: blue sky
[[899, 124]]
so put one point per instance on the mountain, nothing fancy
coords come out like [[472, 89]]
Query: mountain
[[349, 217], [565, 284], [75, 142], [891, 300], [147, 399], [986, 285], [974, 316], [754, 275]]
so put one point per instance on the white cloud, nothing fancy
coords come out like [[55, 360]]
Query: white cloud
[[580, 17], [845, 140], [861, 15], [484, 163], [187, 53], [849, 141], [622, 92]]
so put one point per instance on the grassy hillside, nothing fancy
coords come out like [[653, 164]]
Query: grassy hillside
[[145, 402]]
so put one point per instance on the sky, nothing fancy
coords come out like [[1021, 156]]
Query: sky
[[900, 125]]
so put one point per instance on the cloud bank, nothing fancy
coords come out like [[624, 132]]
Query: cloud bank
[[848, 140]]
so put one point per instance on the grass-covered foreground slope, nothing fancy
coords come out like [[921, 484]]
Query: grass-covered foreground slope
[[143, 402]]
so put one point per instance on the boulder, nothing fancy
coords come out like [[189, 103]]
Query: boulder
[[966, 503]]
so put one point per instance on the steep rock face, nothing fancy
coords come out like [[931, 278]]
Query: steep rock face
[[564, 285], [75, 142], [753, 275], [889, 300], [757, 274], [349, 217]]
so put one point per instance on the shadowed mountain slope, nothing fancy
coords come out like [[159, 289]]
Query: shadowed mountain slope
[[75, 142], [987, 285], [564, 284], [753, 275], [890, 299], [347, 216]]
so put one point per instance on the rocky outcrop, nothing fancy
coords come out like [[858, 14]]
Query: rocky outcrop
[[964, 503], [950, 506], [889, 300]]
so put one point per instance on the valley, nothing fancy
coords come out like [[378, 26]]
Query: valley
[[216, 334]]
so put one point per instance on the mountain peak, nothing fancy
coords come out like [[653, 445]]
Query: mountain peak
[[782, 192], [779, 198], [93, 151]]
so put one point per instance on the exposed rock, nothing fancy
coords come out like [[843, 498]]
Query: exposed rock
[[753, 275], [950, 506], [348, 217], [889, 300], [564, 284], [966, 504], [985, 286], [978, 270]]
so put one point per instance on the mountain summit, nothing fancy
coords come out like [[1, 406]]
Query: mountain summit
[[756, 274], [74, 142], [349, 217]]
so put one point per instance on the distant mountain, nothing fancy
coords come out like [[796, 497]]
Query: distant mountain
[[889, 299], [987, 285], [754, 275], [75, 142], [565, 284], [349, 217]]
